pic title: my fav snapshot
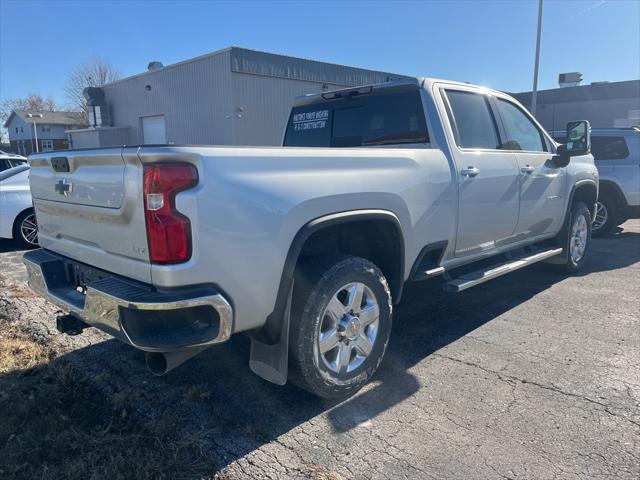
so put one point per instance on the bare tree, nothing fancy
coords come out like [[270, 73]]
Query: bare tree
[[33, 102], [94, 73]]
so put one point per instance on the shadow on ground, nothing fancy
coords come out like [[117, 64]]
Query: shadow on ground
[[7, 245], [225, 412]]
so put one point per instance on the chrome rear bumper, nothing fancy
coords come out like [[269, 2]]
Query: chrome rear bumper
[[136, 313]]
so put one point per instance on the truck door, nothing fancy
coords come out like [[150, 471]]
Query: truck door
[[488, 177], [542, 182]]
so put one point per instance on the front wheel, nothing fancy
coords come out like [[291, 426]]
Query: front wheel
[[340, 325], [579, 239]]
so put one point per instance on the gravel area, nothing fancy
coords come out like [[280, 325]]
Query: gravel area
[[535, 375]]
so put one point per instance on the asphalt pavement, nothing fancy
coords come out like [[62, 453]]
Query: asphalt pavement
[[535, 375]]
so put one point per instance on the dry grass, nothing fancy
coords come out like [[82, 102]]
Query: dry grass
[[18, 352], [318, 472], [54, 425], [19, 292]]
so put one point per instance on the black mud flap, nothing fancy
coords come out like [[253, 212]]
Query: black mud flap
[[561, 240], [271, 362]]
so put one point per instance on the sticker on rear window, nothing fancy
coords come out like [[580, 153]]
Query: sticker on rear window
[[310, 120]]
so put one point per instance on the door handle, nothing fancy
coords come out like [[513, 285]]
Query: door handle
[[528, 169], [470, 171]]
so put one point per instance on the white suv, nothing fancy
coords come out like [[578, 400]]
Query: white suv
[[617, 155]]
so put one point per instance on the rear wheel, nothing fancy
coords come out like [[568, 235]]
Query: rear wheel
[[340, 325], [25, 229]]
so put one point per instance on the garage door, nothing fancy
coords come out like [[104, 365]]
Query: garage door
[[153, 131]]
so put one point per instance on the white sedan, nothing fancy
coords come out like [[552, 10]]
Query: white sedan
[[17, 220]]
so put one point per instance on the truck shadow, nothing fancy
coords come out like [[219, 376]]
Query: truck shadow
[[7, 245], [232, 412]]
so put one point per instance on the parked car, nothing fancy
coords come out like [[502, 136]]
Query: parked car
[[617, 155], [17, 219], [307, 248], [9, 160]]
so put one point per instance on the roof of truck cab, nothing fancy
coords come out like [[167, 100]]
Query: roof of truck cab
[[423, 82]]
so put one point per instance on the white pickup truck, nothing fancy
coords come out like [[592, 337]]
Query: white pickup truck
[[307, 247]]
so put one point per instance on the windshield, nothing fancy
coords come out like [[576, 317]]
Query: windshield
[[366, 120]]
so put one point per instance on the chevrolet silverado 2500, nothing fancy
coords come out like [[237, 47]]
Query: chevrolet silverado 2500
[[306, 247]]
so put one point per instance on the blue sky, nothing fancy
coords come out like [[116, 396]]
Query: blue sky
[[490, 43]]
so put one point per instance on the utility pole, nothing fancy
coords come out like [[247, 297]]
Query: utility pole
[[534, 94]]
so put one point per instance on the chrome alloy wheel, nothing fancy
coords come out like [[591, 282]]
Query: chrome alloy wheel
[[601, 217], [348, 328], [578, 240], [29, 229]]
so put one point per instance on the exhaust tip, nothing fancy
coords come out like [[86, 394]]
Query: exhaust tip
[[157, 363]]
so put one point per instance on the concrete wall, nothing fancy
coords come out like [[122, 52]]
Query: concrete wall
[[85, 139], [100, 137]]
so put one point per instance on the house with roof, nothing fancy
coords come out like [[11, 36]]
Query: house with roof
[[41, 131]]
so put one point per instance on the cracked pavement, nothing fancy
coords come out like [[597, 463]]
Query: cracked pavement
[[535, 375]]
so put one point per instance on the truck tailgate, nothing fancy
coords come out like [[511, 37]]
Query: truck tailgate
[[89, 205]]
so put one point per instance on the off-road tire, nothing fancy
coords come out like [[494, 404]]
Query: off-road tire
[[316, 283]]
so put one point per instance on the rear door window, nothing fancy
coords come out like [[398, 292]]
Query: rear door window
[[365, 120], [609, 148], [472, 120], [605, 147]]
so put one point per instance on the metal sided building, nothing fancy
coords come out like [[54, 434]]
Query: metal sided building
[[233, 96], [604, 104]]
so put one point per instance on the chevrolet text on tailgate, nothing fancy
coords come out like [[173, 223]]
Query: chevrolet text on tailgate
[[306, 248]]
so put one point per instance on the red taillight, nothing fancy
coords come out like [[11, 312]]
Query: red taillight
[[168, 231]]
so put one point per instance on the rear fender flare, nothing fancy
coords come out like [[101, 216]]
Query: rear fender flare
[[272, 326]]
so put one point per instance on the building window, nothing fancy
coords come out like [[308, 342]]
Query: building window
[[16, 129], [47, 145], [21, 130]]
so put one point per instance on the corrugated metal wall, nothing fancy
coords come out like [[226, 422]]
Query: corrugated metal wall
[[233, 97], [265, 103], [607, 105], [281, 66], [194, 97]]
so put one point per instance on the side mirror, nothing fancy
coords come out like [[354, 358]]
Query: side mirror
[[578, 138], [578, 142]]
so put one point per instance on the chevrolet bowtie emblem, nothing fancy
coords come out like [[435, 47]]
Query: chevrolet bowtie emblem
[[64, 187]]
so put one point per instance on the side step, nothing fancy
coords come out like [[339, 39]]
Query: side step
[[476, 278]]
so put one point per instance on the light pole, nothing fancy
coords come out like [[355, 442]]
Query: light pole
[[35, 130], [534, 93]]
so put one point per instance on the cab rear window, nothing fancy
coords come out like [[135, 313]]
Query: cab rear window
[[366, 120]]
